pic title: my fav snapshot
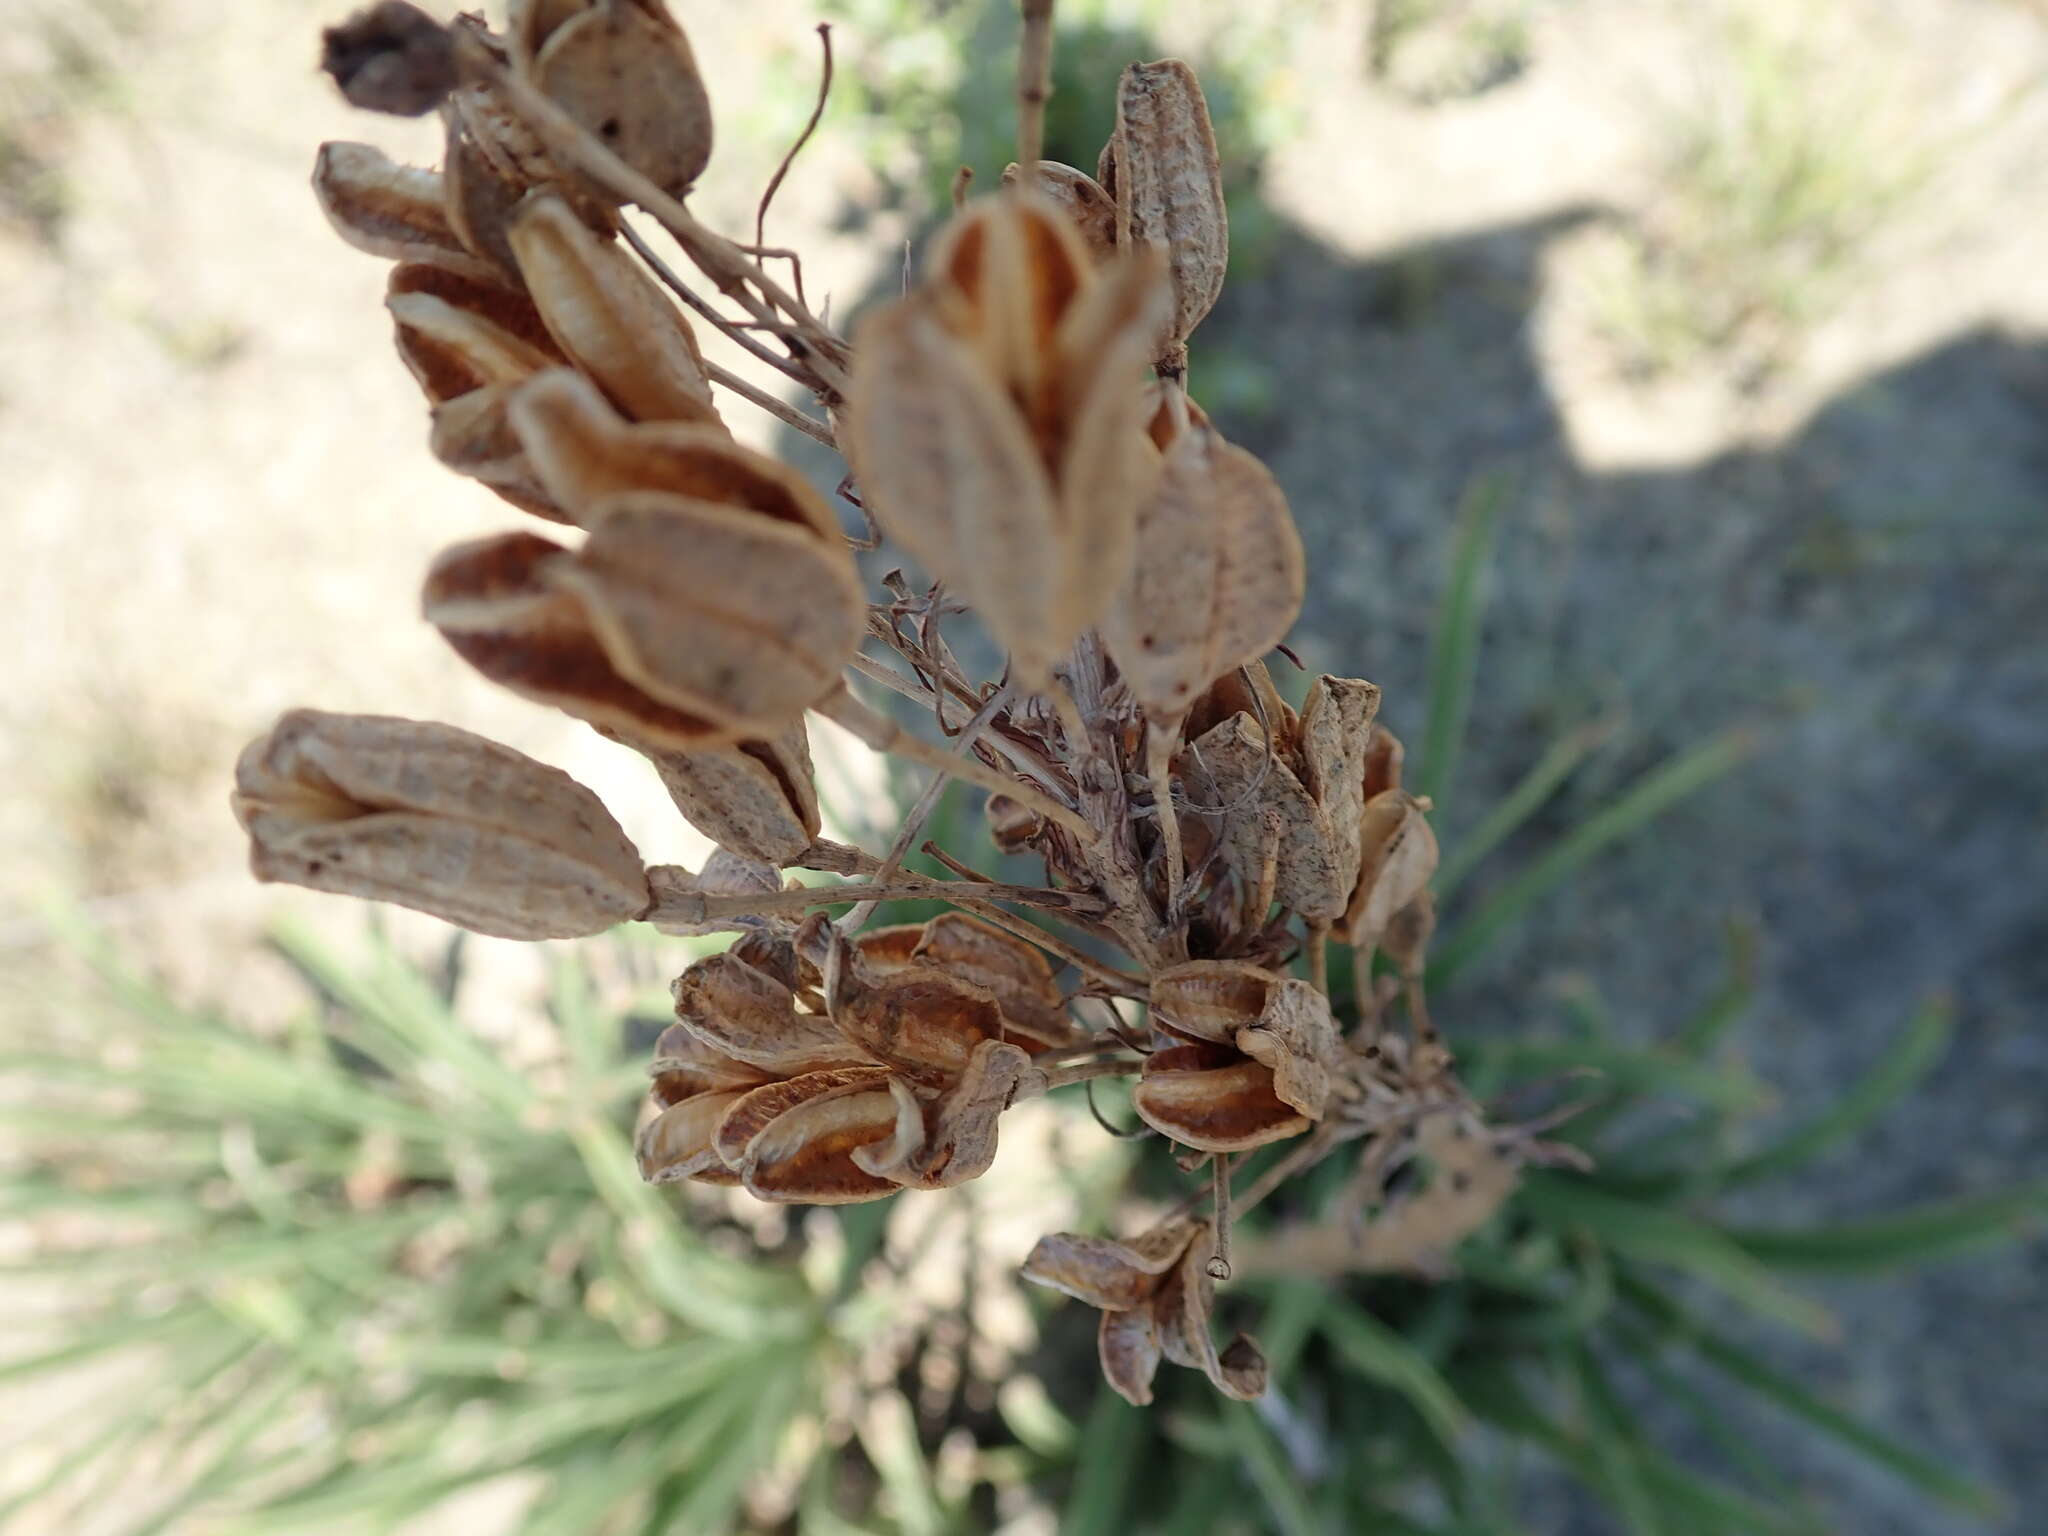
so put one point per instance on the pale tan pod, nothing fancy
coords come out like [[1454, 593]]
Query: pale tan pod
[[1335, 736], [1128, 1345], [1016, 973], [1116, 1276], [742, 1012], [587, 453], [1081, 197], [719, 612], [1217, 580], [950, 471], [677, 1143], [756, 798], [388, 209], [1296, 1037], [1169, 184], [793, 1141], [530, 23], [454, 341], [499, 603], [1004, 271], [1308, 877], [1210, 999], [624, 71], [952, 1139], [473, 435], [437, 819], [1214, 1099], [1397, 859], [606, 313]]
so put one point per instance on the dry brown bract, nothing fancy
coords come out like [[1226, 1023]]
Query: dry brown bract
[[1201, 837]]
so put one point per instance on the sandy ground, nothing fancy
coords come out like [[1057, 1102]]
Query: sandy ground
[[216, 501]]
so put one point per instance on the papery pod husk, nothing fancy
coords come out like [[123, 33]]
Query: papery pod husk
[[1128, 1345], [1398, 858], [794, 1141], [388, 209], [1210, 999], [473, 435], [433, 818], [725, 873], [1248, 691], [1081, 197], [952, 1139], [1011, 827], [587, 453], [757, 798], [684, 1065], [1218, 576], [1004, 271], [625, 72], [949, 470], [391, 57], [1296, 1037], [1167, 180], [498, 603], [678, 1143], [1213, 1099], [1405, 939], [1334, 737], [1105, 1272], [1235, 763], [1384, 757], [607, 315], [720, 612], [1012, 970], [752, 1017], [1182, 1310], [921, 1021], [457, 333]]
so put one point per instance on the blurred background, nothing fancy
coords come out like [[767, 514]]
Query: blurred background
[[1728, 319]]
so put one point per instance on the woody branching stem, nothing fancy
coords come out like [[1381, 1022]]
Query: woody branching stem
[[1034, 86]]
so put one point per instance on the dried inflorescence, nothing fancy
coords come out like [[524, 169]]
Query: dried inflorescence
[[1019, 422]]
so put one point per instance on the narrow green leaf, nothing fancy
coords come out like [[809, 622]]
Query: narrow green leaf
[[1096, 1499], [1640, 804], [1278, 1485], [1616, 1449], [1896, 1073], [1513, 810], [1918, 1236], [1376, 1351], [1454, 647], [1621, 1069], [1653, 1234]]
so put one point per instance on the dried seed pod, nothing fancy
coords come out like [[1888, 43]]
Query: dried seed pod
[[1168, 186], [1295, 1037], [1217, 580], [587, 454], [388, 209], [392, 57], [921, 1021], [1248, 691], [1381, 770], [1081, 197], [473, 435], [1011, 827], [624, 71], [1004, 272], [1210, 999], [757, 798], [752, 1017], [1214, 1099], [457, 333], [434, 818], [952, 1139], [1245, 773], [1182, 1311], [794, 1140], [530, 23], [1103, 1272], [1333, 742], [1405, 940], [1012, 971], [1398, 857], [499, 604], [606, 314], [720, 612], [679, 1142], [725, 873]]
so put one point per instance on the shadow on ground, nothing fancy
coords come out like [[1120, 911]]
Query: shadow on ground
[[1868, 597]]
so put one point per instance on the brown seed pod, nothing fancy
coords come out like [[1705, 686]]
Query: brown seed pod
[[434, 818], [456, 333], [1012, 971], [1217, 579], [1332, 745], [1295, 1037], [1081, 197], [1214, 1099], [1168, 185], [499, 604], [607, 315], [750, 1016], [1105, 1273], [679, 1142], [757, 798], [587, 454], [1210, 1000], [473, 435], [392, 57], [624, 71], [1384, 755], [952, 1139], [794, 1140], [920, 1020], [1398, 857], [1245, 774], [388, 209]]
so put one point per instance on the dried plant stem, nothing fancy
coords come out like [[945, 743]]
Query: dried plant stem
[[1107, 977], [1318, 952], [1034, 88], [810, 127], [882, 734], [1219, 1261], [1087, 1071], [717, 257], [927, 802], [697, 907], [910, 688], [731, 329], [1364, 995], [781, 410], [1159, 739]]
